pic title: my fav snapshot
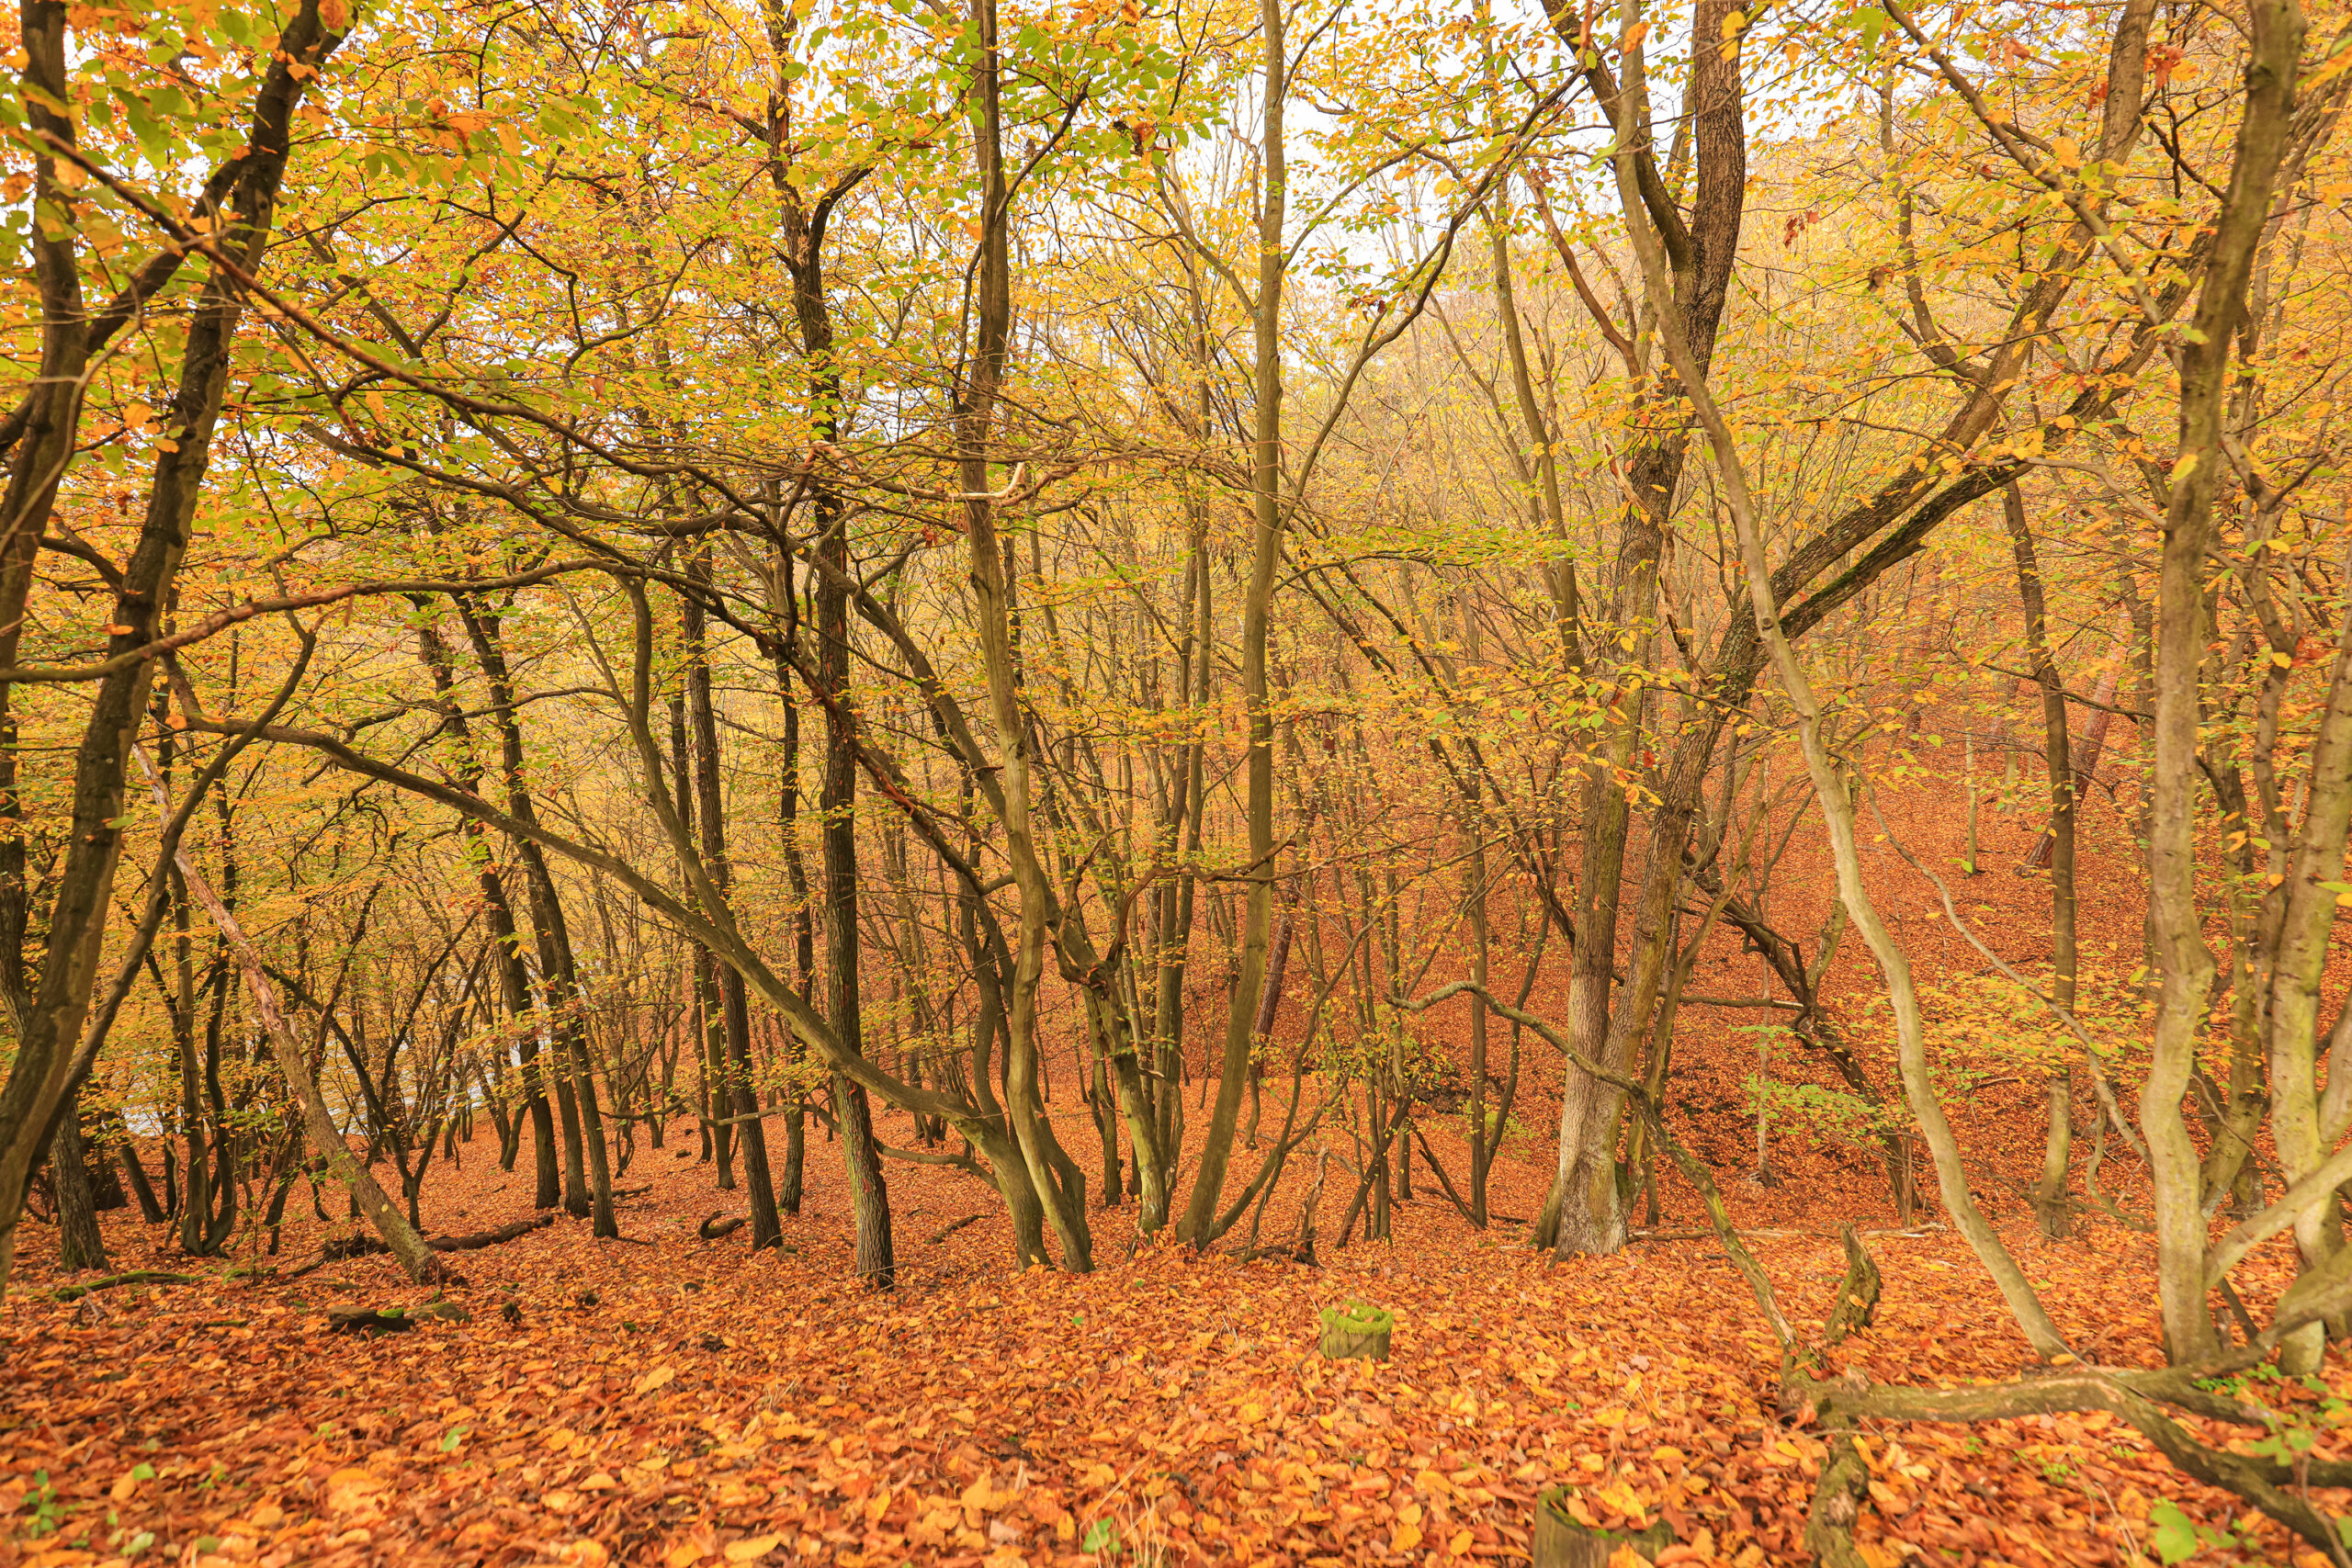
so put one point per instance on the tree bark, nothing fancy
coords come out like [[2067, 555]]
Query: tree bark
[[51, 1017], [736, 1015], [2050, 1209], [1268, 520], [2186, 964]]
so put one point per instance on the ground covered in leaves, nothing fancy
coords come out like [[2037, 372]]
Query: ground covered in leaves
[[669, 1400]]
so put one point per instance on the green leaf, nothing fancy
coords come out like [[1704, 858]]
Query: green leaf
[[2171, 1533]]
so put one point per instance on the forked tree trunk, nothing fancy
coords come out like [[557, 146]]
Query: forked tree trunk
[[2186, 964], [1829, 788]]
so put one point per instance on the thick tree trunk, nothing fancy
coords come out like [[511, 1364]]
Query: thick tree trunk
[[1583, 1213], [79, 1242]]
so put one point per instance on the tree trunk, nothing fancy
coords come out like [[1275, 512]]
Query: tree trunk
[[1268, 519], [735, 1010], [2186, 964], [240, 216], [2050, 1209], [80, 1244], [583, 1128]]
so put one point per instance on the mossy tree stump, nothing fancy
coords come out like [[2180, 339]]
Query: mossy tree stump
[[1357, 1331], [1558, 1540]]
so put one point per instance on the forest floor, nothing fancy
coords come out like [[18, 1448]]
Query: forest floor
[[668, 1400]]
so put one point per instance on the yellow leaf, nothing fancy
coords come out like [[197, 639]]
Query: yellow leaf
[[655, 1379], [751, 1551], [2067, 150], [1622, 1499], [1407, 1537], [2284, 660], [1460, 1543]]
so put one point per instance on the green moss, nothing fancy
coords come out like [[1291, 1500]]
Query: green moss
[[1355, 1317]]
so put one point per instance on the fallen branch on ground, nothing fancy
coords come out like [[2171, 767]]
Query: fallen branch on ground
[[136, 1277]]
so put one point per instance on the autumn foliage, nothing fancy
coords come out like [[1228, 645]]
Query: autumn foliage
[[1192, 781]]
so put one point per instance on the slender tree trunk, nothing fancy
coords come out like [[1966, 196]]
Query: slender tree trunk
[[992, 590], [514, 978], [735, 1017], [2049, 1203], [796, 1120], [1268, 521], [837, 801], [588, 1193], [416, 1259]]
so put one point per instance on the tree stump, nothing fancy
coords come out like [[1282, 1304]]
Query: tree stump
[[1357, 1331], [1559, 1542]]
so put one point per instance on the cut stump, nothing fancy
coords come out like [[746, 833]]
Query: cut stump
[[1559, 1542], [1357, 1331]]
